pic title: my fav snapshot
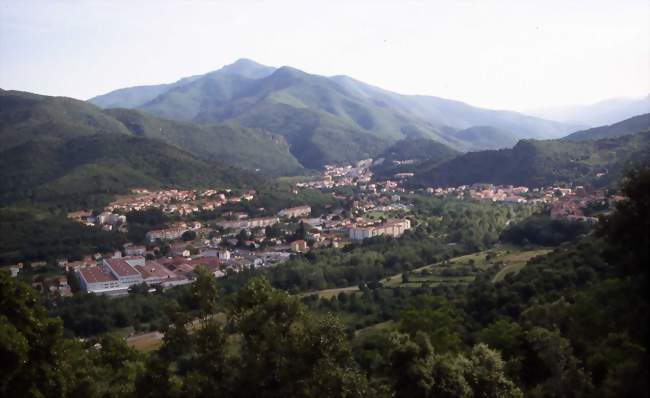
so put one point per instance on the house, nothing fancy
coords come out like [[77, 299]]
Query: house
[[134, 250], [15, 269], [38, 264], [224, 254], [299, 246], [166, 234]]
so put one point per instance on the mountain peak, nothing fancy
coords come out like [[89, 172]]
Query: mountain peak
[[247, 68]]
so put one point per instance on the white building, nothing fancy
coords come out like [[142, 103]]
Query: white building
[[394, 228], [97, 280], [123, 269], [298, 211]]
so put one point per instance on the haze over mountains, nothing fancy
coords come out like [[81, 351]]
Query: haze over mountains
[[600, 113], [327, 119]]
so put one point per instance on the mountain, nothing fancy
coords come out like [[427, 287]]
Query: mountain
[[326, 119], [487, 137], [25, 117], [629, 126], [539, 163], [601, 113], [86, 170], [449, 115]]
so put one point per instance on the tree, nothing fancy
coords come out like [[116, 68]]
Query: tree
[[628, 229], [435, 317], [411, 365], [286, 351], [485, 374], [36, 359], [188, 236]]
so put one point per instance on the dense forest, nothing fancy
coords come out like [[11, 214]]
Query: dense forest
[[571, 323]]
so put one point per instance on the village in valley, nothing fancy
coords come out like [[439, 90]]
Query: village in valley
[[235, 240]]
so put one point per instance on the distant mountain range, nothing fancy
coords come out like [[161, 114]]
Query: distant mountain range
[[597, 156], [327, 119], [601, 113]]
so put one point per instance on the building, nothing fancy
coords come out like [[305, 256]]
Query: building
[[295, 212], [134, 250], [393, 228], [166, 234], [123, 269], [299, 246], [249, 223], [154, 273], [98, 280]]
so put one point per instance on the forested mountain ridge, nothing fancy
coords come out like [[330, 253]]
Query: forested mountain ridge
[[311, 111], [628, 126], [85, 171], [25, 117], [537, 163], [407, 155]]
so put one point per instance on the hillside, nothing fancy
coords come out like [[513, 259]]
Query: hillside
[[25, 117], [486, 137], [538, 163], [310, 111], [414, 151], [85, 170], [625, 127]]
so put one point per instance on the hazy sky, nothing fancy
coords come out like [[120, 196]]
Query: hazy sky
[[516, 54]]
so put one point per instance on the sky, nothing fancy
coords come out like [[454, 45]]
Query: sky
[[505, 54]]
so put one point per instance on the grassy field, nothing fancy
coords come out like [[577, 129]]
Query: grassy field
[[145, 342], [373, 329], [514, 262], [329, 293], [151, 341]]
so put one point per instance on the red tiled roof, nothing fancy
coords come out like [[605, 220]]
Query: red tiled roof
[[121, 267], [154, 269], [95, 274], [209, 261]]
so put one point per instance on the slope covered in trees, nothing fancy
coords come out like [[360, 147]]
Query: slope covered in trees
[[30, 118], [537, 163], [628, 126], [313, 111], [85, 171]]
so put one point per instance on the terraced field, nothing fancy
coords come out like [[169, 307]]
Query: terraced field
[[463, 269]]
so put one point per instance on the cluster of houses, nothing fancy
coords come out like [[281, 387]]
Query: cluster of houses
[[348, 175], [572, 205], [505, 193]]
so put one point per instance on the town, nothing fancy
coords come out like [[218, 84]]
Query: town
[[234, 241]]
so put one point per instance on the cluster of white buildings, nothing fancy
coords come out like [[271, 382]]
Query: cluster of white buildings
[[295, 212]]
